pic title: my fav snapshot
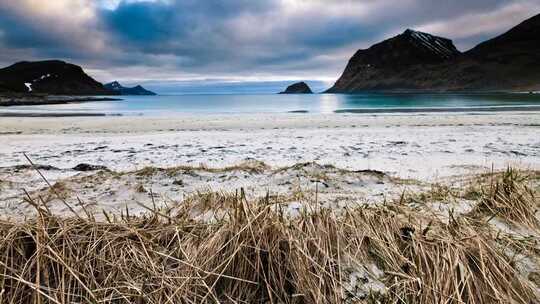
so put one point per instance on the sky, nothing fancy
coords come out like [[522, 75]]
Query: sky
[[167, 43]]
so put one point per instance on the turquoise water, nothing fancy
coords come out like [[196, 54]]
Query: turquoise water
[[317, 103]]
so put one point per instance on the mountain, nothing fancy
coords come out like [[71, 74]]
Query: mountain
[[523, 39], [49, 77], [121, 90], [511, 60], [416, 61], [298, 88]]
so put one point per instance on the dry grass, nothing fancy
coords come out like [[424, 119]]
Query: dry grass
[[508, 195], [253, 253], [251, 166]]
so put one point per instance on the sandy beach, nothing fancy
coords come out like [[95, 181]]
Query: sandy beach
[[405, 146], [426, 149]]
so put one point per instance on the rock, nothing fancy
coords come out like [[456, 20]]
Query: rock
[[18, 168], [137, 90], [298, 88], [49, 77], [416, 61], [87, 167]]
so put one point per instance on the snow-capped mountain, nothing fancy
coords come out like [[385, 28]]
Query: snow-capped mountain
[[436, 46], [417, 61]]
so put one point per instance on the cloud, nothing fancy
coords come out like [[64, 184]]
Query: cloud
[[51, 27], [240, 39], [470, 28]]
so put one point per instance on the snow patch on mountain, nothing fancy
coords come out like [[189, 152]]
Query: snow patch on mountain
[[42, 77], [441, 46], [115, 85]]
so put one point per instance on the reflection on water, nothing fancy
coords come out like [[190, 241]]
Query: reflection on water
[[436, 100], [329, 103], [316, 103]]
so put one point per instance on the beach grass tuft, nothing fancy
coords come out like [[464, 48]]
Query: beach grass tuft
[[509, 196], [226, 248]]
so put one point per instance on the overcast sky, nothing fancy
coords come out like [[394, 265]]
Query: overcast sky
[[233, 40]]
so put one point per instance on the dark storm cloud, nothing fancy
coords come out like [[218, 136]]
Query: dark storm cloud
[[23, 35], [236, 37], [194, 31], [147, 23], [211, 36], [18, 34], [32, 29], [144, 23]]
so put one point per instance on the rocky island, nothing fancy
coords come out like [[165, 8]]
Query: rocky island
[[298, 88]]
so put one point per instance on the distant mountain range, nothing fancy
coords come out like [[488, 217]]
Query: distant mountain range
[[121, 90], [412, 61], [416, 61]]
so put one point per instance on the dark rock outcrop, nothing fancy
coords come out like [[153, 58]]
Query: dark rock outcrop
[[121, 90], [49, 77], [416, 61], [298, 88], [87, 167]]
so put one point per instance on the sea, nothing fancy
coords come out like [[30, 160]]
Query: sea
[[166, 105]]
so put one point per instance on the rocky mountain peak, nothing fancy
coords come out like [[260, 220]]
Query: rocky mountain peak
[[439, 46], [408, 48], [418, 61], [115, 85]]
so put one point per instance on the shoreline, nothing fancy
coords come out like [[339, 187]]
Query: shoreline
[[489, 109], [55, 114], [34, 100], [378, 111], [116, 123]]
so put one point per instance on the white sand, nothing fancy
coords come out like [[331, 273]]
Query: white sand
[[407, 146], [111, 191], [429, 148]]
